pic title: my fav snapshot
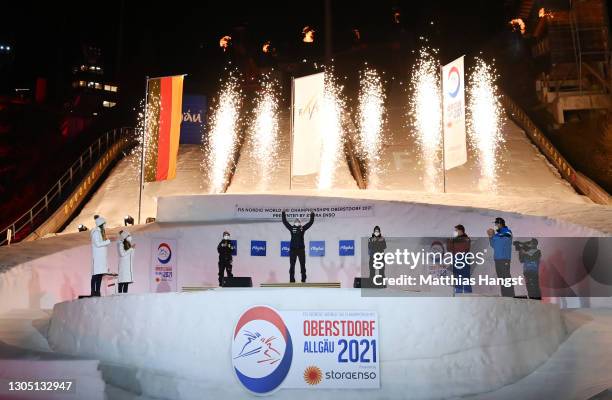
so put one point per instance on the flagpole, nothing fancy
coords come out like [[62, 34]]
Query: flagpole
[[142, 149], [443, 126], [291, 134]]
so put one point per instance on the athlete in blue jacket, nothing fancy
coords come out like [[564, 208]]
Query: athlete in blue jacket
[[500, 240]]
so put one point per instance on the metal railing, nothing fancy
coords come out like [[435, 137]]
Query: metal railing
[[37, 214]]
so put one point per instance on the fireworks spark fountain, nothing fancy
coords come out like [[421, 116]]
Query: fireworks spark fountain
[[371, 122], [332, 110], [264, 131], [223, 134], [426, 115], [485, 123]]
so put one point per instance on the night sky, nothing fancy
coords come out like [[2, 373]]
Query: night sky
[[183, 38]]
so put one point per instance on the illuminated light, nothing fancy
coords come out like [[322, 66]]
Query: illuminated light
[[426, 117], [308, 33], [397, 17], [265, 130], [332, 110], [518, 24], [266, 47], [485, 123], [371, 116], [356, 34], [224, 42], [542, 13], [223, 134]]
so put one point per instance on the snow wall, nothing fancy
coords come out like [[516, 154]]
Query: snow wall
[[196, 224], [178, 345]]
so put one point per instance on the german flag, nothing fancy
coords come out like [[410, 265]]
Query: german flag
[[164, 115]]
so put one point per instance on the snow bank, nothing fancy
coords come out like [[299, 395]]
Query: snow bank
[[178, 345]]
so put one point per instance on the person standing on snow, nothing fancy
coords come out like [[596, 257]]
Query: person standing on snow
[[460, 244], [297, 249], [376, 245], [125, 248], [99, 250], [500, 240], [225, 250]]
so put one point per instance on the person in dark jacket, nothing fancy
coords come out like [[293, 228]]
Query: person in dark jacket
[[225, 249], [376, 245], [530, 256], [297, 249], [501, 240], [460, 244]]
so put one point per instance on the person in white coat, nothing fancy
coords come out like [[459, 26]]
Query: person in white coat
[[125, 248], [99, 250]]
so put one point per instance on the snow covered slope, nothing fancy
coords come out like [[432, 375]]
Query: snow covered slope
[[526, 177]]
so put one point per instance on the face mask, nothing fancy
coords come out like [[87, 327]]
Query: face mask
[[226, 237], [495, 228], [129, 239], [455, 233], [376, 233]]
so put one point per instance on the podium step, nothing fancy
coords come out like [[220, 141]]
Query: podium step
[[330, 285]]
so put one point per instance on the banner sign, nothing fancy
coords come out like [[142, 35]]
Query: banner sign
[[258, 248], [163, 265], [316, 248], [319, 349], [194, 119], [234, 247], [284, 246], [346, 248], [453, 103], [307, 137], [347, 210]]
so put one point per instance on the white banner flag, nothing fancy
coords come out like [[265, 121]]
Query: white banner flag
[[307, 100], [453, 89]]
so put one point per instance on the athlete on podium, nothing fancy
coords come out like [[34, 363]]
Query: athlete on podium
[[297, 249]]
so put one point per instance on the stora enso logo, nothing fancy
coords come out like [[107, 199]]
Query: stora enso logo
[[262, 350]]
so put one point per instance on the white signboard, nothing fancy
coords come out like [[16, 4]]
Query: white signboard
[[307, 100], [274, 349], [453, 103], [334, 211], [163, 265]]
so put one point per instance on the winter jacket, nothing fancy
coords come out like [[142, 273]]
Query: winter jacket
[[501, 242], [126, 263], [99, 249], [459, 244], [376, 244], [530, 259], [225, 249], [297, 232]]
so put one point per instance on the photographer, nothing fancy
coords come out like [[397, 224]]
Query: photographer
[[530, 256]]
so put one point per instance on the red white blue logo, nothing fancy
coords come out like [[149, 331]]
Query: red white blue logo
[[261, 350], [164, 253], [454, 82]]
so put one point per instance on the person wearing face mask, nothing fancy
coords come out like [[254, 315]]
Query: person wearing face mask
[[459, 246], [376, 245], [297, 249], [500, 240], [225, 250], [99, 250], [125, 248]]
